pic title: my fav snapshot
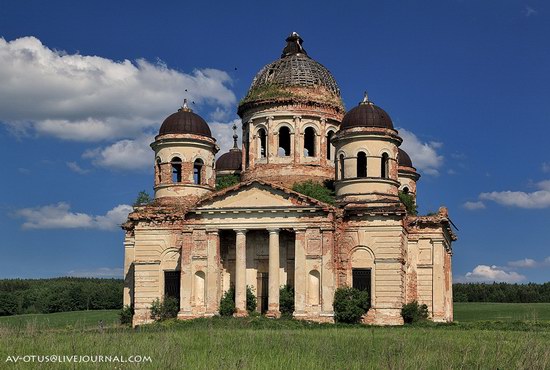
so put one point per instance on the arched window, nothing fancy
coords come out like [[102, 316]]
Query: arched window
[[314, 287], [197, 171], [330, 147], [158, 171], [385, 166], [361, 164], [341, 166], [176, 169], [405, 190], [262, 143], [284, 141], [200, 291], [309, 142]]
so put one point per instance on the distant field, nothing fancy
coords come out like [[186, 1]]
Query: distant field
[[76, 319], [465, 312]]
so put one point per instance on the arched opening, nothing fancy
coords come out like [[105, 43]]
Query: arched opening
[[341, 167], [314, 288], [158, 171], [200, 292], [385, 167], [361, 164], [197, 171], [309, 142], [405, 190], [176, 169], [262, 143], [330, 147], [284, 141]]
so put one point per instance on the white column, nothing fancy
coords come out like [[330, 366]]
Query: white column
[[299, 273], [274, 286], [240, 273]]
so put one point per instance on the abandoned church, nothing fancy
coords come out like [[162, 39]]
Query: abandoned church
[[194, 242]]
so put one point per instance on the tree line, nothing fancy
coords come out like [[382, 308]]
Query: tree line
[[21, 296], [502, 293]]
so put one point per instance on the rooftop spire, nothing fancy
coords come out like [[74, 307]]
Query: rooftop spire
[[235, 136], [366, 99], [293, 45], [184, 107]]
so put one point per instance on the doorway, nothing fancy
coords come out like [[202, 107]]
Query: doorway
[[362, 280], [263, 291], [172, 284]]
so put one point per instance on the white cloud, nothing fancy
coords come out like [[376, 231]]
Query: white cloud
[[223, 132], [472, 206], [536, 199], [125, 154], [101, 272], [530, 263], [484, 273], [59, 216], [423, 155], [91, 98], [73, 166]]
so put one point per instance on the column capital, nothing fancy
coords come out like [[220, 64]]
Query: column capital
[[299, 229], [240, 231], [212, 231], [273, 230], [297, 117]]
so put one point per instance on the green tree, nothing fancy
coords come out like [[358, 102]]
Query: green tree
[[226, 181], [143, 198], [408, 201], [315, 190]]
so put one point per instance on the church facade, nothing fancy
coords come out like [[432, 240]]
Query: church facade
[[194, 242]]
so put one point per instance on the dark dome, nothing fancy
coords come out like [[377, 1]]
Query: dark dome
[[184, 121], [403, 158], [294, 69], [230, 161], [366, 114]]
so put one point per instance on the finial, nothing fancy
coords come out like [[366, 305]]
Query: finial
[[293, 45], [185, 107], [235, 136], [366, 99]]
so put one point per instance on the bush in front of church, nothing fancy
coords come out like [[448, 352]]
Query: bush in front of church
[[286, 300], [166, 309], [227, 303], [413, 312], [350, 304], [126, 315]]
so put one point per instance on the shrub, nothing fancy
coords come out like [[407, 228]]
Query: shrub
[[350, 304], [143, 198], [226, 181], [286, 300], [315, 190], [165, 309], [227, 303], [408, 201], [125, 315], [413, 312]]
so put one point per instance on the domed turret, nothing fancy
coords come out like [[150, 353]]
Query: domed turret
[[366, 150], [184, 157], [289, 115], [230, 163], [407, 174]]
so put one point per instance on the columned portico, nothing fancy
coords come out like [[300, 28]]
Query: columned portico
[[240, 273], [274, 265]]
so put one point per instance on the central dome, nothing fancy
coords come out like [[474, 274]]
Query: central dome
[[294, 76]]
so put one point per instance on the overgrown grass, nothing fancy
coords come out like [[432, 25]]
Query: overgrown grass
[[82, 319], [257, 342]]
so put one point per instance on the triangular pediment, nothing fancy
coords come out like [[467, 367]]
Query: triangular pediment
[[258, 195]]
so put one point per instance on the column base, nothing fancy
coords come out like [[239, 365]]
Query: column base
[[240, 313], [273, 314]]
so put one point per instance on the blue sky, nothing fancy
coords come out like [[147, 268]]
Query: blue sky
[[84, 86]]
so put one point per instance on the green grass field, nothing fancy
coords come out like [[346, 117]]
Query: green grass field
[[260, 343]]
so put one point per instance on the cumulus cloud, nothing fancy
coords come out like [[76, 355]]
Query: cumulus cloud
[[223, 132], [128, 154], [472, 206], [73, 166], [91, 98], [530, 263], [59, 216], [489, 274], [533, 200], [423, 155], [101, 272]]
